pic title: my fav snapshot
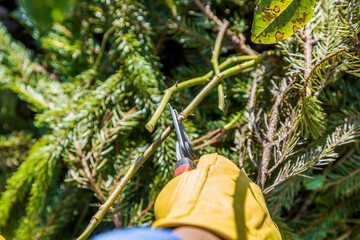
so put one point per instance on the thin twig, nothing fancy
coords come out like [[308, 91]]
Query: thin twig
[[251, 109], [146, 210], [206, 136], [308, 55], [328, 75], [220, 134], [118, 176], [232, 124], [239, 41], [311, 197], [322, 61], [240, 144], [248, 147], [213, 140], [102, 47], [269, 141], [215, 62]]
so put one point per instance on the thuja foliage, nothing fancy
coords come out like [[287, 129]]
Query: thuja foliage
[[96, 86]]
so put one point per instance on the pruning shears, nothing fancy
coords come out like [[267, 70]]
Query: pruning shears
[[185, 154]]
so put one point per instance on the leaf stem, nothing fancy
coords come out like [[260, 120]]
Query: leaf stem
[[151, 149]]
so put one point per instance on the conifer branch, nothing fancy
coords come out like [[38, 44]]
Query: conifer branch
[[151, 149], [268, 143], [319, 156], [306, 81]]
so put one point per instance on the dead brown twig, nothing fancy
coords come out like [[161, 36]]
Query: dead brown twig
[[239, 40], [268, 142]]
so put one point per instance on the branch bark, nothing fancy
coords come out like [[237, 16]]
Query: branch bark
[[190, 83], [269, 142], [308, 56], [239, 41]]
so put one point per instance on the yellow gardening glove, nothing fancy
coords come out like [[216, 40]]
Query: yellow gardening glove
[[218, 197]]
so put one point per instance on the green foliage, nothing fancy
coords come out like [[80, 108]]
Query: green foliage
[[44, 13], [73, 109], [278, 20]]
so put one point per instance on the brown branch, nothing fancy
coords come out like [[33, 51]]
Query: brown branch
[[220, 134], [94, 186], [206, 136], [146, 210], [108, 133], [248, 147], [323, 217], [213, 140], [345, 177], [241, 144], [114, 216], [308, 55], [239, 41], [306, 204], [351, 9], [311, 197], [269, 141], [251, 109]]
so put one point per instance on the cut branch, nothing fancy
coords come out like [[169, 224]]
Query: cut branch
[[215, 63], [190, 83], [151, 149]]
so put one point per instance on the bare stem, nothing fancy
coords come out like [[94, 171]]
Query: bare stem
[[308, 55], [251, 109], [103, 44], [220, 133], [239, 41], [215, 62], [151, 149], [190, 83], [269, 142]]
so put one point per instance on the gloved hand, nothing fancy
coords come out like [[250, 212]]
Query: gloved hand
[[216, 196]]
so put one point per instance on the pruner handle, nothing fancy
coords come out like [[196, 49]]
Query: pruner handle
[[183, 165]]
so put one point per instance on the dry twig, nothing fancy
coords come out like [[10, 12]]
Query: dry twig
[[239, 41]]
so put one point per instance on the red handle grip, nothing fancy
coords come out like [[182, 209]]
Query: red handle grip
[[183, 165]]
